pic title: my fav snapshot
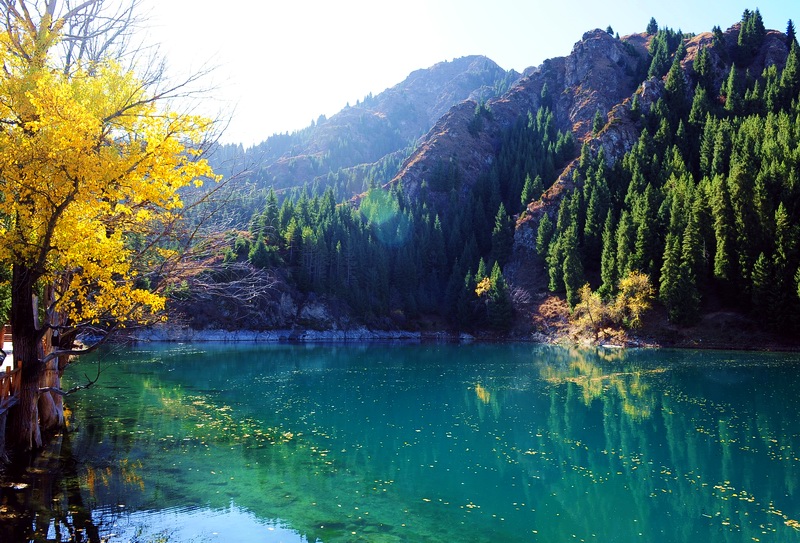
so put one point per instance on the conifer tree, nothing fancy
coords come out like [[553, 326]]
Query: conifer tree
[[790, 77], [701, 107], [572, 267], [502, 236], [626, 236], [599, 122], [645, 249], [761, 291], [608, 258], [466, 301], [499, 309], [669, 288], [791, 35], [652, 27], [703, 69], [544, 234], [723, 229], [732, 91]]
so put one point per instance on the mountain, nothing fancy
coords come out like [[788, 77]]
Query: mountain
[[372, 130], [600, 72], [662, 162]]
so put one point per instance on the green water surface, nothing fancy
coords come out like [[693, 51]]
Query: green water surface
[[428, 443]]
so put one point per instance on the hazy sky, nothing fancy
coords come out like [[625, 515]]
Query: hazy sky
[[278, 65]]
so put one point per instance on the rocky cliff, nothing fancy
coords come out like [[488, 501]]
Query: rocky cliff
[[599, 73], [375, 127]]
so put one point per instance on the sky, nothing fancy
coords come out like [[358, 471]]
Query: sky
[[278, 65]]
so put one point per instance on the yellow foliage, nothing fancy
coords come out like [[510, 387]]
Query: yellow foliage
[[634, 297], [484, 286], [89, 163]]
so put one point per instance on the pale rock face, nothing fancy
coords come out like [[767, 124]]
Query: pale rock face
[[600, 72]]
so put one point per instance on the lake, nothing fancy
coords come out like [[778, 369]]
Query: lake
[[431, 442]]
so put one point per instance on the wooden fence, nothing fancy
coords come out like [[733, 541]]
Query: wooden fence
[[9, 379], [9, 387]]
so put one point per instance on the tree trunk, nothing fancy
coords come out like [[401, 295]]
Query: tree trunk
[[23, 432]]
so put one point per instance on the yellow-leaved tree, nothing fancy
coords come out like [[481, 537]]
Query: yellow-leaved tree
[[92, 162]]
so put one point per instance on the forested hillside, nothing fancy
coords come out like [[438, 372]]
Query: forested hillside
[[664, 154], [706, 202]]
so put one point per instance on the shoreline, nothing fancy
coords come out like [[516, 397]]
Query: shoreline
[[632, 340]]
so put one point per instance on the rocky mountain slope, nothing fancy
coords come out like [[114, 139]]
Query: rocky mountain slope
[[600, 73], [374, 128]]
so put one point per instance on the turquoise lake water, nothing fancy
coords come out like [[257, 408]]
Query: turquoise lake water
[[428, 443]]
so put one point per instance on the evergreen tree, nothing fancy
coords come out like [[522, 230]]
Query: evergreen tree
[[645, 253], [531, 190], [596, 211], [732, 91], [790, 77], [608, 258], [761, 293], [723, 230], [669, 289], [465, 306], [499, 308], [791, 36], [544, 234], [502, 236], [626, 236], [652, 27], [701, 107], [703, 68], [260, 256], [572, 267], [598, 123], [751, 36]]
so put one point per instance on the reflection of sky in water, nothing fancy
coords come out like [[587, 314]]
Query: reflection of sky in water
[[442, 443], [201, 525]]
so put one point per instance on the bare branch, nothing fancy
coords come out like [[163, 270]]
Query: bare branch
[[60, 392]]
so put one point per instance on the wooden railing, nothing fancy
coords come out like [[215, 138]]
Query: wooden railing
[[9, 379], [9, 387]]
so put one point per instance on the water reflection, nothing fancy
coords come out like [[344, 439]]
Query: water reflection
[[423, 443]]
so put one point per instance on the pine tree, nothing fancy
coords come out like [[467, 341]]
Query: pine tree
[[465, 305], [544, 234], [703, 68], [701, 107], [790, 77], [599, 203], [652, 27], [499, 309], [731, 90], [259, 256], [669, 289], [645, 257], [527, 192], [502, 236], [572, 267], [608, 258], [626, 237], [675, 88], [761, 294], [791, 36], [723, 229], [599, 122]]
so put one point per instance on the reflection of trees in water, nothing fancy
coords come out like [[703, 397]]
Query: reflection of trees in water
[[598, 372], [47, 496], [716, 462]]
